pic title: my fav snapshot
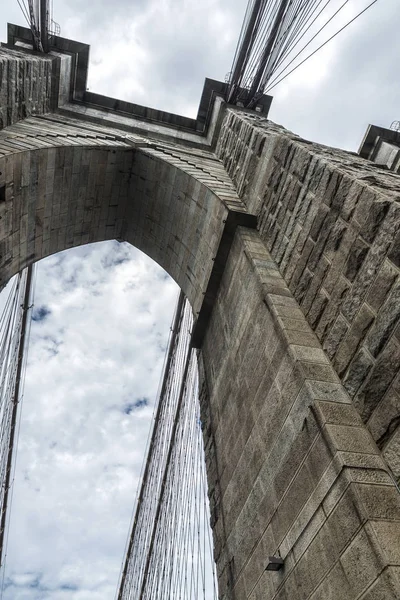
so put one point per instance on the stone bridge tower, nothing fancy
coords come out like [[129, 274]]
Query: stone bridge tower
[[289, 254]]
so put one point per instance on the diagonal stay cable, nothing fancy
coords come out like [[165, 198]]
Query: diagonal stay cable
[[322, 45], [312, 39]]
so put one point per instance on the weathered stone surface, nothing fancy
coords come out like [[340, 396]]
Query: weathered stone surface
[[356, 258], [360, 563], [376, 215], [385, 323], [379, 380], [353, 338], [394, 253], [32, 84], [291, 467], [385, 587], [340, 238], [335, 336], [391, 451], [283, 458], [357, 372], [382, 285]]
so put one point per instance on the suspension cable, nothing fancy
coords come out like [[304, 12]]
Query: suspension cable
[[14, 337], [170, 552], [322, 45], [274, 35]]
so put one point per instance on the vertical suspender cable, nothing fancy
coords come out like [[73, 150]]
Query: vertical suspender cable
[[15, 400]]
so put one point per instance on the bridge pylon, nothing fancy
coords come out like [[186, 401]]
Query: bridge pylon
[[287, 252]]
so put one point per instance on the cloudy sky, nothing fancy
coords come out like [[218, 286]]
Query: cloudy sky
[[102, 312]]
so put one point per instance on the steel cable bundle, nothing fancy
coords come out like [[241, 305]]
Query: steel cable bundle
[[16, 302], [274, 35], [169, 551]]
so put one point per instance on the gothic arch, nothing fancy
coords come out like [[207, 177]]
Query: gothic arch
[[64, 196]]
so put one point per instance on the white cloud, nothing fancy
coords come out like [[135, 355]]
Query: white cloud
[[94, 364]]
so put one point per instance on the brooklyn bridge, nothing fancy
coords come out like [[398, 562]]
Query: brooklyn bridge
[[268, 473]]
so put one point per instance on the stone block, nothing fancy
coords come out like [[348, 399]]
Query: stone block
[[376, 214], [336, 413], [254, 570], [332, 307], [353, 338], [351, 200], [328, 391], [318, 221], [302, 338], [360, 562], [319, 372], [282, 310], [379, 380], [350, 439], [354, 459], [379, 502], [387, 534], [385, 587], [335, 336], [294, 324], [385, 323], [391, 451], [369, 475], [357, 371], [317, 309], [299, 264], [394, 252], [357, 255], [366, 275], [315, 284], [297, 453], [307, 354], [334, 586], [382, 285]]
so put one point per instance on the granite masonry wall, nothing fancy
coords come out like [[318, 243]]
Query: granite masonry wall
[[331, 221], [291, 466], [27, 84], [292, 470]]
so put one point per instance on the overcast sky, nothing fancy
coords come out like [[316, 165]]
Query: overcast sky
[[102, 312]]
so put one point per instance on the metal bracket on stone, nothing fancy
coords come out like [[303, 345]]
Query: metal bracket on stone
[[275, 563]]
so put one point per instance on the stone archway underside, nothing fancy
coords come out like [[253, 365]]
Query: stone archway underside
[[66, 185]]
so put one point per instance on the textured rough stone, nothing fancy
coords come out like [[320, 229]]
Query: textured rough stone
[[285, 447], [335, 336], [357, 371], [360, 563], [317, 308], [376, 215], [379, 380], [382, 285], [391, 451], [394, 253], [340, 238], [356, 258], [373, 262], [385, 322], [353, 339], [385, 587]]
